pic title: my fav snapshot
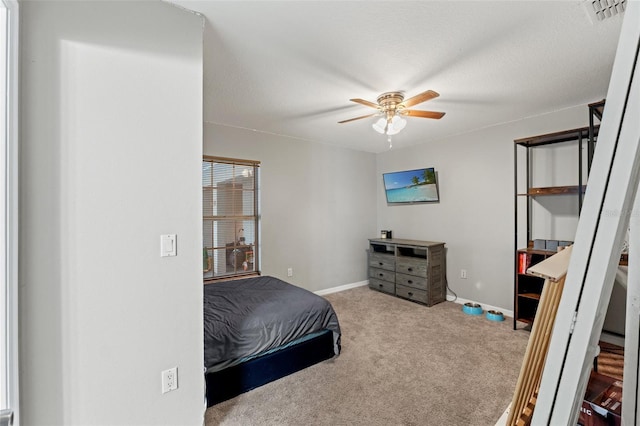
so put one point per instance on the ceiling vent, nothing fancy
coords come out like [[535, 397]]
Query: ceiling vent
[[599, 10]]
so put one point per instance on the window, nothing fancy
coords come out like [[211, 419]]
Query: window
[[229, 217]]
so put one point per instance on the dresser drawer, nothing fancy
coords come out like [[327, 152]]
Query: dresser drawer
[[411, 281], [411, 293], [412, 267], [382, 262], [384, 286], [383, 275]]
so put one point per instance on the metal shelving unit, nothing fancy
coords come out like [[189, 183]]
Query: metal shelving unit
[[527, 288]]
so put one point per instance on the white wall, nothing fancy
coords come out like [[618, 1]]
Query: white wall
[[475, 217], [110, 160], [553, 217], [317, 205]]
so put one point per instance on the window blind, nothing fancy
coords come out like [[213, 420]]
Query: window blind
[[230, 217]]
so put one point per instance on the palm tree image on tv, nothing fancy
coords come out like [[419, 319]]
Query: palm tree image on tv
[[411, 186], [429, 176]]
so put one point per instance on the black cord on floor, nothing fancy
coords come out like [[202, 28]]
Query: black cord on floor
[[455, 296]]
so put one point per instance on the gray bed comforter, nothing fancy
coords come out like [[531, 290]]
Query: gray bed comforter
[[247, 317]]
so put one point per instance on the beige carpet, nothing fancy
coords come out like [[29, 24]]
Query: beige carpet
[[401, 364]]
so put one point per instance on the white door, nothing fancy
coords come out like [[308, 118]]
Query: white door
[[8, 213]]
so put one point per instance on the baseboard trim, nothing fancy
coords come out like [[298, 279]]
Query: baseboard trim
[[450, 298], [341, 288], [502, 421], [485, 307]]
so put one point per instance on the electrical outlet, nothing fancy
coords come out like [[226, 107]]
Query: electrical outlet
[[290, 272], [170, 380], [463, 274]]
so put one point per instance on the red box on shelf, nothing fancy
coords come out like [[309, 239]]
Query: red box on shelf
[[524, 260]]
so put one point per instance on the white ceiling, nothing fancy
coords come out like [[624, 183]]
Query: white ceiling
[[289, 68]]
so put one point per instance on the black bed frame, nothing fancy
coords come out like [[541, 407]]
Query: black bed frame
[[230, 382]]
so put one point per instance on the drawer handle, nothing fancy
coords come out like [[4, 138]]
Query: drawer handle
[[410, 269], [409, 282], [381, 275], [380, 285], [410, 294], [380, 263]]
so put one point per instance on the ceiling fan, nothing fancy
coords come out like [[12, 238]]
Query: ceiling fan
[[392, 106]]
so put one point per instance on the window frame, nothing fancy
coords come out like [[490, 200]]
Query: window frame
[[255, 218]]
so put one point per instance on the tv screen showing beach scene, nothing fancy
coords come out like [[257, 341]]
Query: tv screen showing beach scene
[[411, 186]]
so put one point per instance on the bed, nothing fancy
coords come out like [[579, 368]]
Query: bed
[[259, 329]]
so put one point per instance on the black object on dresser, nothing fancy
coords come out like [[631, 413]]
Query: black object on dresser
[[411, 269]]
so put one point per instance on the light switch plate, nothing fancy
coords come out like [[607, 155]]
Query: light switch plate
[[168, 245]]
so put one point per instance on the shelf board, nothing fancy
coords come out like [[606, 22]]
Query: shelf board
[[554, 190], [535, 296], [537, 251], [527, 320], [563, 136], [624, 257], [597, 108]]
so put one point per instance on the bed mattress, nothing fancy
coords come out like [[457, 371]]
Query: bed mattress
[[252, 316]]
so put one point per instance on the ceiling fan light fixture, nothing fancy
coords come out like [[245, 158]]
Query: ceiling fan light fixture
[[392, 130], [392, 106], [396, 125], [380, 126]]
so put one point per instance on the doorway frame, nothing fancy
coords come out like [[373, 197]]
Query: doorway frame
[[9, 365]]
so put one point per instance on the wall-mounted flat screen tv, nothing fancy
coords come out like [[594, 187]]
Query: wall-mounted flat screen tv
[[411, 186]]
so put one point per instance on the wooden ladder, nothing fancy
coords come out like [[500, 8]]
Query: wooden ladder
[[554, 271]]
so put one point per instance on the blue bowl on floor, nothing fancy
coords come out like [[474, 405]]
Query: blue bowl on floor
[[495, 316], [472, 309]]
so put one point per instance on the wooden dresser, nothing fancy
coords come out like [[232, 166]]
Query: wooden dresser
[[411, 269]]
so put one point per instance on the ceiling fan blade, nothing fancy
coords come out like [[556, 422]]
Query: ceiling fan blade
[[423, 114], [422, 97], [358, 118], [366, 103]]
